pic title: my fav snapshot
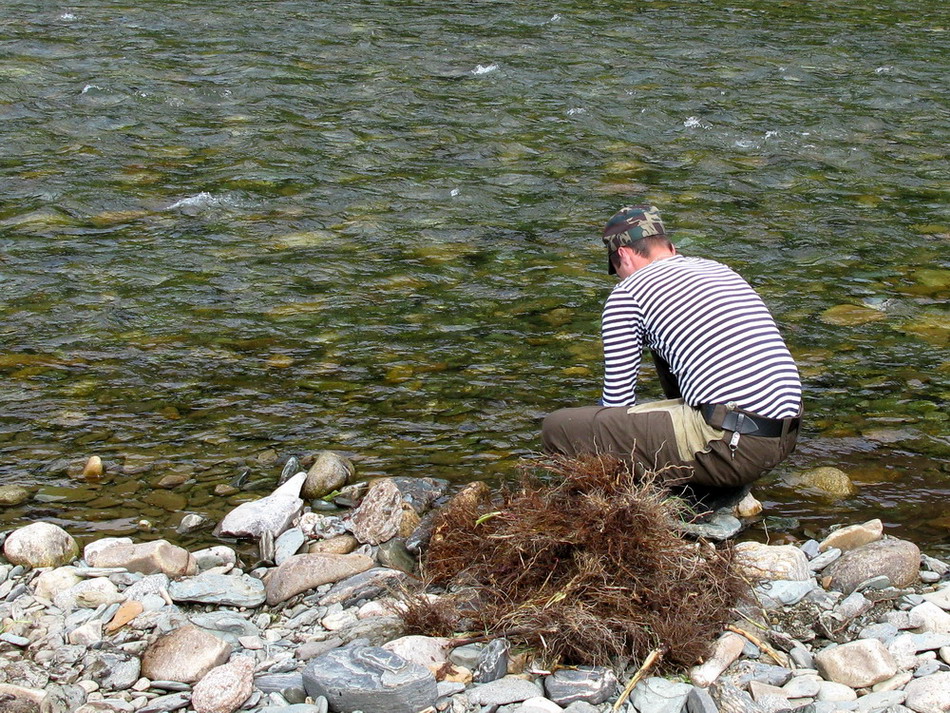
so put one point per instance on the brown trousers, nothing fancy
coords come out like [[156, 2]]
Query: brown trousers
[[646, 440]]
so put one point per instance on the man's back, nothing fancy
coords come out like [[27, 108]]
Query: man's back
[[712, 329]]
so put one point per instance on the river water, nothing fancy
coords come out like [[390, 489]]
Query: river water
[[232, 232]]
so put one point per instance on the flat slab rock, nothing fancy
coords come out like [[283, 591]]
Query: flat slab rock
[[220, 589], [301, 573], [504, 691], [370, 679]]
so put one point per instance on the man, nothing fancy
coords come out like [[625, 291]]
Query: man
[[734, 393]]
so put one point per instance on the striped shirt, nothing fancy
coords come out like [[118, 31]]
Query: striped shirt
[[711, 328]]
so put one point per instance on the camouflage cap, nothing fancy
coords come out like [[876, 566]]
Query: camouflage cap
[[630, 224]]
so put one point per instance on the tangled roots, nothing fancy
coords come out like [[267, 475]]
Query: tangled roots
[[580, 561]]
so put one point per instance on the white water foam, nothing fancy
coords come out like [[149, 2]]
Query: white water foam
[[484, 69], [90, 87], [200, 200], [694, 122], [67, 16]]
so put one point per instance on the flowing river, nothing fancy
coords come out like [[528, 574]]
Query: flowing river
[[232, 232]]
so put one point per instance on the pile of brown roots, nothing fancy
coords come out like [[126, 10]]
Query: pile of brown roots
[[582, 563]]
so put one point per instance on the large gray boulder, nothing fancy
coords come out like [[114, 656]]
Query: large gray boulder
[[370, 679], [898, 560]]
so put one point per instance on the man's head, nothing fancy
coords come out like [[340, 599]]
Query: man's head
[[638, 228]]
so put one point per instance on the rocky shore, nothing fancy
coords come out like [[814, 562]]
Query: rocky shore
[[855, 622]]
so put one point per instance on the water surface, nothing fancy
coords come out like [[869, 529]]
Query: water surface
[[235, 232]]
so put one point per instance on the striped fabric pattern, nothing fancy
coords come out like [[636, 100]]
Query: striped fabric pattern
[[710, 326]]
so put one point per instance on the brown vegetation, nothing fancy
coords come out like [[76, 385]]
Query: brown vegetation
[[581, 562]]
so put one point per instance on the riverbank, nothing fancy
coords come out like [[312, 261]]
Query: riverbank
[[853, 621]]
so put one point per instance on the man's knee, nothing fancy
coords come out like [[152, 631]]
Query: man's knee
[[554, 438]]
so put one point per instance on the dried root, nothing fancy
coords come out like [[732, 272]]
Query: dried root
[[580, 561]]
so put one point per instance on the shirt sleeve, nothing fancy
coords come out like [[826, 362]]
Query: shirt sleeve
[[622, 334]]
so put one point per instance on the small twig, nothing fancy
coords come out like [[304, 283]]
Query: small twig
[[654, 656], [754, 623], [780, 659]]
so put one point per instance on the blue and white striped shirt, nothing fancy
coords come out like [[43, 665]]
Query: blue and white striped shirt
[[713, 330]]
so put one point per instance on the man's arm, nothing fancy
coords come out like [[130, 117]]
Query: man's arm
[[622, 334]]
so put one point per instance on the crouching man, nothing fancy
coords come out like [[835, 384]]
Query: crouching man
[[734, 396]]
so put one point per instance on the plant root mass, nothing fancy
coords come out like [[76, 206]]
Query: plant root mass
[[580, 561]]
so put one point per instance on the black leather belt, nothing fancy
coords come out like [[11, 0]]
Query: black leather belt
[[746, 423]]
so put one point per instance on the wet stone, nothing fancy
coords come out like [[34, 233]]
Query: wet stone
[[721, 526], [395, 555], [12, 495], [330, 472]]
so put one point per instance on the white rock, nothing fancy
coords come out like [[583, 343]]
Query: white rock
[[224, 688], [895, 682], [86, 635], [426, 651], [274, 513], [539, 704], [658, 695], [940, 597], [935, 619], [727, 649], [805, 686], [903, 649], [879, 701], [929, 694], [831, 691], [54, 581], [89, 594], [386, 606], [857, 664], [503, 691], [756, 560], [848, 538], [40, 544], [339, 620]]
